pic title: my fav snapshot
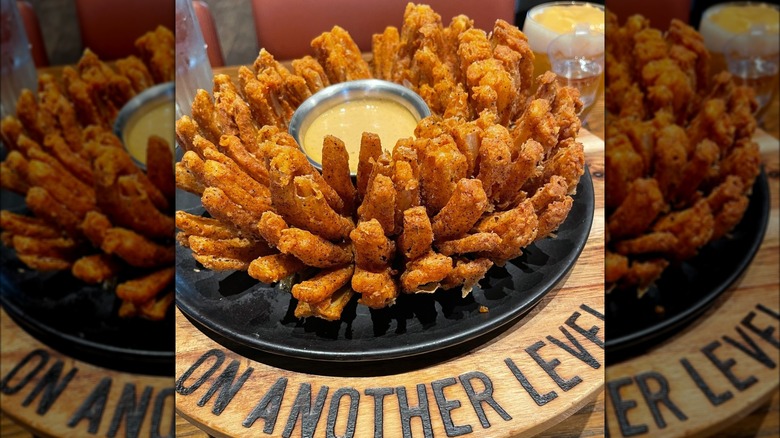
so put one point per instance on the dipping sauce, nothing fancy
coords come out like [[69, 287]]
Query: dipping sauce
[[348, 120], [740, 18], [563, 19], [720, 23], [157, 119], [547, 21]]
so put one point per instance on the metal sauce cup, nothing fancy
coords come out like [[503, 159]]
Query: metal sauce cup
[[333, 95], [137, 106]]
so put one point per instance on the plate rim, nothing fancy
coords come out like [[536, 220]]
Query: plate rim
[[149, 362], [651, 335], [402, 350], [86, 350]]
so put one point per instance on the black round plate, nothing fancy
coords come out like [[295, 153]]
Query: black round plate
[[235, 307], [81, 320], [685, 290]]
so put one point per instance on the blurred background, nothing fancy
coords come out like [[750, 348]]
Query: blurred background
[[60, 29], [233, 20], [235, 27]]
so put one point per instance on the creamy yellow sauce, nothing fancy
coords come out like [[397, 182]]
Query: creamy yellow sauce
[[348, 120], [721, 23], [563, 19], [157, 120], [549, 22], [740, 18]]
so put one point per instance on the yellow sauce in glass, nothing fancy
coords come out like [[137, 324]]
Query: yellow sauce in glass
[[548, 22], [157, 120], [740, 18], [348, 120], [722, 22], [564, 19]]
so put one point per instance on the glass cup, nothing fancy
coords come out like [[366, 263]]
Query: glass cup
[[18, 67], [578, 60], [753, 59], [720, 23], [193, 71], [547, 21]]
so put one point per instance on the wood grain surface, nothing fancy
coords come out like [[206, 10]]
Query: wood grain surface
[[496, 371], [53, 395], [720, 369]]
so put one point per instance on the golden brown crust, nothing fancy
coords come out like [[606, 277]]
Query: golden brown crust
[[679, 158], [313, 250], [373, 251], [143, 289], [329, 309], [379, 203], [275, 267], [339, 56], [376, 289], [226, 254], [159, 166], [26, 226], [95, 268], [156, 49], [478, 242], [84, 190], [417, 236], [464, 208], [324, 284], [335, 171], [466, 274], [136, 249], [424, 272], [485, 175]]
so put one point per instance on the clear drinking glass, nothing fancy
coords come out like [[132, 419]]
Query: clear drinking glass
[[18, 67], [753, 60], [578, 60], [193, 70], [722, 22], [545, 22]]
